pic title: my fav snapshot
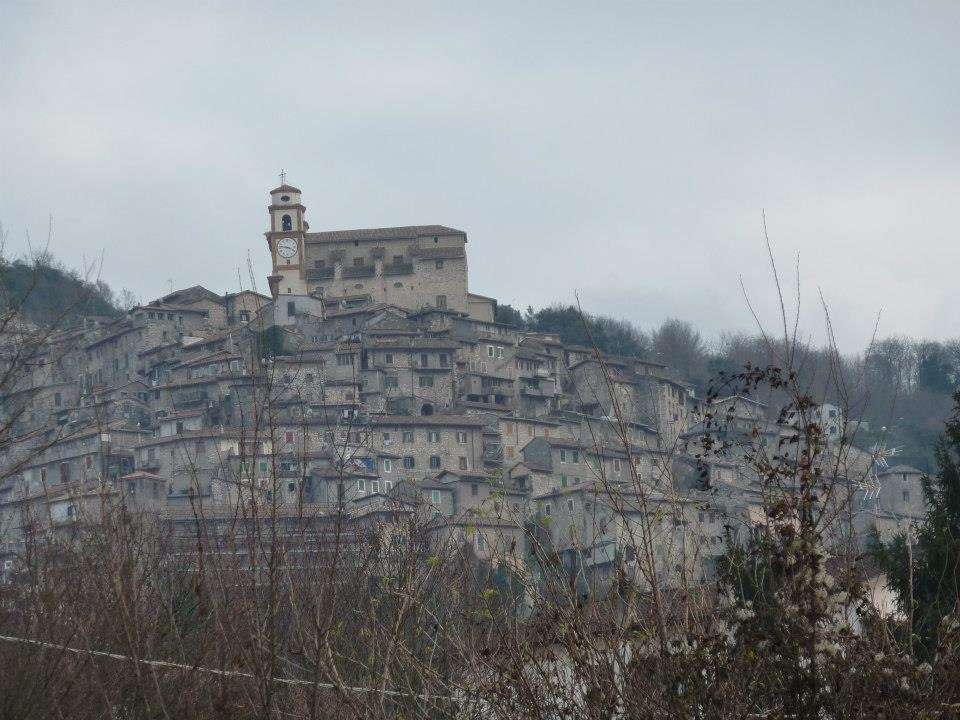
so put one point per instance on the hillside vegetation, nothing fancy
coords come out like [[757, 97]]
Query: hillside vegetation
[[45, 291]]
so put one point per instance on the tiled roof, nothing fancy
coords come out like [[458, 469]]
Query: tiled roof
[[408, 232]]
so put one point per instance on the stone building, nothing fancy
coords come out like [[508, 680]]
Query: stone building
[[421, 266]]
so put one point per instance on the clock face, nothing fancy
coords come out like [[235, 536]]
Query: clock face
[[286, 247]]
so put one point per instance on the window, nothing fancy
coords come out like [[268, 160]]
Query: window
[[408, 436], [388, 358], [361, 485], [563, 456], [576, 456], [425, 381], [64, 472], [570, 505], [439, 263], [906, 496], [398, 259], [463, 463], [433, 436], [289, 438], [499, 352], [490, 350], [344, 359], [57, 399], [387, 485], [374, 486], [435, 497], [391, 381], [434, 462], [563, 481], [409, 463], [358, 262], [547, 509], [442, 302], [387, 465], [424, 360], [474, 489], [88, 461], [263, 467], [286, 224]]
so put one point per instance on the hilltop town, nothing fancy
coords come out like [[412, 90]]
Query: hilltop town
[[372, 385]]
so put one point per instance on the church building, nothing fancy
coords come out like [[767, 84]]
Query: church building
[[416, 267]]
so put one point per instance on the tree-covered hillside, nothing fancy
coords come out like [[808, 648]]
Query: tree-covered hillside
[[44, 291]]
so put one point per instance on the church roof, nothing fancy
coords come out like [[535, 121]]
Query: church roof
[[407, 232], [188, 296], [286, 188]]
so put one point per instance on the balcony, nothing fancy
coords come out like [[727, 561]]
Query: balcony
[[398, 269], [363, 271], [325, 273], [190, 398]]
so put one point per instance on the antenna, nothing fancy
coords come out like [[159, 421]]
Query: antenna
[[250, 273], [871, 483]]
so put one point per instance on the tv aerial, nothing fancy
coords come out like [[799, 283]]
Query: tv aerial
[[870, 483], [880, 452]]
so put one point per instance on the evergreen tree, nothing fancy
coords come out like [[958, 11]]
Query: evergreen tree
[[925, 575], [509, 315]]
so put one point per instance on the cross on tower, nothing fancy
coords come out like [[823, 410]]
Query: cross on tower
[[283, 176]]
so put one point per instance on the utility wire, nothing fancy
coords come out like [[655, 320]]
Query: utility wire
[[224, 673]]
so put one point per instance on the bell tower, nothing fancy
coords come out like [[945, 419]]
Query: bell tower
[[286, 240]]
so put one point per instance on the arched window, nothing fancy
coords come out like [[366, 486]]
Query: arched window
[[286, 223], [427, 409]]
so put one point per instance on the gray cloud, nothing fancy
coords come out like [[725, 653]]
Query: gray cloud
[[622, 151]]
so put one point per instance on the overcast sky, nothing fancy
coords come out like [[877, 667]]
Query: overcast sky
[[624, 152]]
